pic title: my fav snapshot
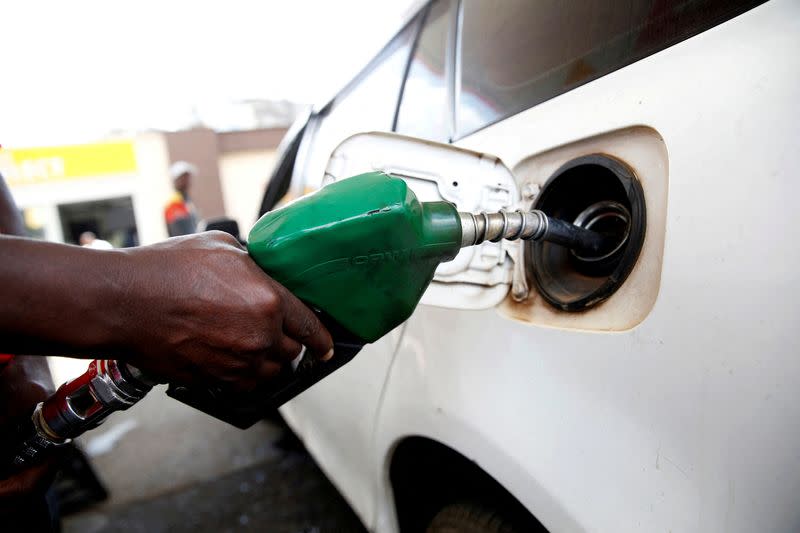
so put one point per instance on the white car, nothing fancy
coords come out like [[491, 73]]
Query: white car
[[655, 390]]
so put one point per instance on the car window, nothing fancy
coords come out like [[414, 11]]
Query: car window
[[281, 178], [425, 103], [368, 103], [517, 53]]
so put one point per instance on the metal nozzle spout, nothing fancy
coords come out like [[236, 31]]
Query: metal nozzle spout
[[532, 225]]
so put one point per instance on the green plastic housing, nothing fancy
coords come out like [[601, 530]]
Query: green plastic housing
[[363, 250]]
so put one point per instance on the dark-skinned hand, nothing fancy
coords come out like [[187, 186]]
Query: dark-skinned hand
[[201, 311]]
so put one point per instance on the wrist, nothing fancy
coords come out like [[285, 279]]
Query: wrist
[[115, 304]]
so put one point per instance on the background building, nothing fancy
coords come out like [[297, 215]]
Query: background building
[[117, 189]]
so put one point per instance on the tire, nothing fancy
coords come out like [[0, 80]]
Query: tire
[[469, 518]]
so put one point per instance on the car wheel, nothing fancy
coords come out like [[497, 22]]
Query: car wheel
[[469, 518]]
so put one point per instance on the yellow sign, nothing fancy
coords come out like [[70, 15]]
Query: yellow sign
[[24, 166]]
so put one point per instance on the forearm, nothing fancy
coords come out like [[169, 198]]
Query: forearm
[[59, 299]]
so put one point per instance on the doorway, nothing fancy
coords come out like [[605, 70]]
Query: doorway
[[109, 219]]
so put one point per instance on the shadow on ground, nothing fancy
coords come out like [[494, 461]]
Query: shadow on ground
[[171, 468]]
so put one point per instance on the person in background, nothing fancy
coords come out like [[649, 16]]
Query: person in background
[[180, 214], [90, 240]]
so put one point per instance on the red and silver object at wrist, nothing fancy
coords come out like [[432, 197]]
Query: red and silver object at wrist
[[77, 406]]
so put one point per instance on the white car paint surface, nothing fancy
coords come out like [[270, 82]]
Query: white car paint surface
[[687, 421]]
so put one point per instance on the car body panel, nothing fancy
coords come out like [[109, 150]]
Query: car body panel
[[684, 422]]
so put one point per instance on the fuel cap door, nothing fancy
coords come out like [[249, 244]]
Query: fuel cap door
[[480, 276]]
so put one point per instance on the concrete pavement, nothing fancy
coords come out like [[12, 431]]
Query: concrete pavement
[[169, 467]]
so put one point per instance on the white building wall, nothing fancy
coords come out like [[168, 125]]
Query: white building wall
[[153, 187], [244, 176]]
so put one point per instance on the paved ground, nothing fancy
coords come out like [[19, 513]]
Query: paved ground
[[171, 468]]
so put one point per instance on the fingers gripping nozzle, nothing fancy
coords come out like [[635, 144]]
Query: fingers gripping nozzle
[[532, 225]]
